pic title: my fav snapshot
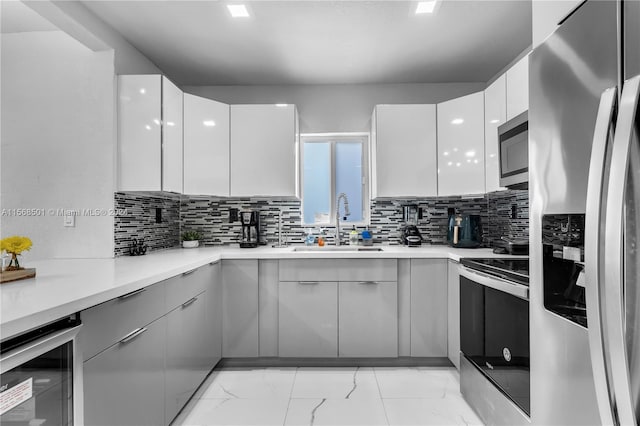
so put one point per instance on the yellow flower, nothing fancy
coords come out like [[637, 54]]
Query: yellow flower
[[15, 244]]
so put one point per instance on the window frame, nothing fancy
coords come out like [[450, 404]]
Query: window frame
[[332, 138]]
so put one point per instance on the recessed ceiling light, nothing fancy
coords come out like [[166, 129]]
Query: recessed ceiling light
[[143, 91], [171, 123], [427, 7], [457, 121], [445, 153], [494, 121], [209, 123], [282, 105], [238, 10], [471, 153]]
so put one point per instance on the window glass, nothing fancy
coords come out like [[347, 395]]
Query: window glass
[[349, 177], [317, 182], [331, 166]]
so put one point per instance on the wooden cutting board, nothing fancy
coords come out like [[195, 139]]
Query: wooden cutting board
[[22, 274]]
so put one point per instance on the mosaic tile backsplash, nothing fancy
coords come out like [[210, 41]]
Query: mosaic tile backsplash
[[503, 213]]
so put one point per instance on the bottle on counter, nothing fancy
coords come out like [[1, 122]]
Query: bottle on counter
[[353, 236]]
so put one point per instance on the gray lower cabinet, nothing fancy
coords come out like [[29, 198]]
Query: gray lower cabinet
[[186, 358], [124, 385], [213, 317], [453, 296], [368, 325], [240, 308], [429, 308], [308, 319]]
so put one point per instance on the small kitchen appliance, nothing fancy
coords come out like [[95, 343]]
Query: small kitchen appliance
[[410, 234], [250, 237], [464, 231]]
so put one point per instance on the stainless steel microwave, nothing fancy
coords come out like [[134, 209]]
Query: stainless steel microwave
[[513, 148]]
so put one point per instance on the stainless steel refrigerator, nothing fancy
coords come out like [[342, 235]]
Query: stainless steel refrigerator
[[584, 189]]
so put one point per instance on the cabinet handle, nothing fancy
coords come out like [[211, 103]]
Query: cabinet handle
[[308, 282], [135, 333], [368, 282], [189, 302], [184, 274], [133, 293]]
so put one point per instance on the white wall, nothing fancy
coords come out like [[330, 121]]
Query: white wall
[[57, 142], [74, 18], [546, 14], [336, 108]]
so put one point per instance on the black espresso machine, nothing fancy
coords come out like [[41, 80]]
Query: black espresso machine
[[250, 221]]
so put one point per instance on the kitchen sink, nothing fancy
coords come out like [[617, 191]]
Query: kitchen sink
[[336, 248]]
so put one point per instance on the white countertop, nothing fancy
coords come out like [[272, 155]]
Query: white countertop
[[65, 286]]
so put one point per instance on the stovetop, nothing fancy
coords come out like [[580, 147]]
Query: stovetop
[[511, 269]]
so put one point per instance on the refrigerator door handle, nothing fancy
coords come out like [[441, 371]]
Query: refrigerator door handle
[[614, 249], [594, 250]]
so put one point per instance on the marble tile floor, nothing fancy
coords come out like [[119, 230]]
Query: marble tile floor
[[413, 396]]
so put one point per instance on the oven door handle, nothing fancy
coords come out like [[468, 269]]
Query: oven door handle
[[496, 283], [31, 350]]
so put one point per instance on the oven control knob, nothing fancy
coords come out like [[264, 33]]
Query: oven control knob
[[506, 353]]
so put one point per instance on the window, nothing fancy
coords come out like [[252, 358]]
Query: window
[[333, 164]]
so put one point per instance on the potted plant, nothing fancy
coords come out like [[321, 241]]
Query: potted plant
[[191, 239]]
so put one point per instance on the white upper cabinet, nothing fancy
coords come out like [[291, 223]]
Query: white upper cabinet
[[495, 114], [405, 146], [264, 140], [149, 134], [518, 88], [171, 137], [206, 146], [461, 146], [139, 132]]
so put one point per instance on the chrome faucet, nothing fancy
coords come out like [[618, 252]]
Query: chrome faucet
[[341, 196]]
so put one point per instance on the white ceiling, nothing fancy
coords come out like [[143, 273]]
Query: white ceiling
[[323, 42]]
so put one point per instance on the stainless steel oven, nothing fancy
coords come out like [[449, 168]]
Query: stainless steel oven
[[37, 375], [513, 140], [494, 338]]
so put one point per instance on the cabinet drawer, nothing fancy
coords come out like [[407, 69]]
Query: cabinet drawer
[[124, 385], [105, 324], [186, 286], [368, 270], [310, 269]]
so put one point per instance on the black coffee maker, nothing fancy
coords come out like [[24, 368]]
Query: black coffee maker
[[250, 237], [410, 234]]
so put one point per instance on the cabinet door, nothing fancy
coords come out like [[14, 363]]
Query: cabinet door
[[139, 130], [263, 150], [186, 358], [213, 321], [495, 114], [124, 385], [461, 146], [206, 146], [518, 88], [368, 319], [428, 308], [268, 295], [406, 151], [453, 313], [240, 308], [308, 319], [171, 137]]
